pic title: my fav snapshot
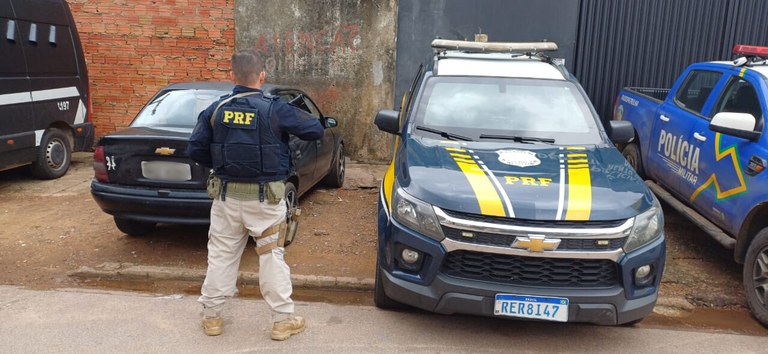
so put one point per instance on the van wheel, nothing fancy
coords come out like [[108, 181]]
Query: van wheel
[[380, 298], [53, 155], [756, 277], [134, 227], [335, 177], [631, 153], [291, 201]]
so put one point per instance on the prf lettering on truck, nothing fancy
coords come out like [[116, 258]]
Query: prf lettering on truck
[[682, 153]]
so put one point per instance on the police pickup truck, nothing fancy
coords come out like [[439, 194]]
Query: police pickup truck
[[505, 196], [701, 143]]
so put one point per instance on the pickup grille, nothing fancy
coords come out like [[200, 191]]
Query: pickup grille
[[535, 223], [505, 240], [531, 271]]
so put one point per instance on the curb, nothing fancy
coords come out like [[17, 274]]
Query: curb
[[669, 306], [128, 271]]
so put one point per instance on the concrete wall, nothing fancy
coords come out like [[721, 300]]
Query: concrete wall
[[135, 47], [341, 52]]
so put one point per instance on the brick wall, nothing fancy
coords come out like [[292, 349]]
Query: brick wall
[[135, 47]]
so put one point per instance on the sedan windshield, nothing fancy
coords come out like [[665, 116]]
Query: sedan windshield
[[488, 108], [176, 108]]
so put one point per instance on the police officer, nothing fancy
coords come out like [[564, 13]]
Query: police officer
[[243, 137]]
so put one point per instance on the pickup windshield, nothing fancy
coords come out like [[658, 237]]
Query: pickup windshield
[[487, 107]]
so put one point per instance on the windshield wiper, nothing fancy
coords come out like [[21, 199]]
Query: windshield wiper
[[446, 135], [518, 139]]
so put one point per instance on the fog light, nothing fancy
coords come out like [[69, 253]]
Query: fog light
[[408, 259], [643, 275], [410, 256]]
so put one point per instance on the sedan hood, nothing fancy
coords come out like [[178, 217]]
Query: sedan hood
[[526, 181]]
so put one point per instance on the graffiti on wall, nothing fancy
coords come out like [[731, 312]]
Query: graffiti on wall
[[313, 53]]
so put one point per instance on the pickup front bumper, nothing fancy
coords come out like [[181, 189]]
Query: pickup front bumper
[[439, 286]]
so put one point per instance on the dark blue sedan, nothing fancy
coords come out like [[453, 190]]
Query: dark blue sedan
[[144, 177]]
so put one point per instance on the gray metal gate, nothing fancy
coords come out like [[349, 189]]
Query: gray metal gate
[[607, 44], [419, 22]]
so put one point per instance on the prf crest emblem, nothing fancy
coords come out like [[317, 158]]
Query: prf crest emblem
[[519, 158]]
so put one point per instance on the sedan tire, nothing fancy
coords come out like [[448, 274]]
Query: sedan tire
[[134, 227], [335, 177], [291, 201]]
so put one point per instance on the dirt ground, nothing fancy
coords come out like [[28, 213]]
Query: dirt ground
[[50, 228]]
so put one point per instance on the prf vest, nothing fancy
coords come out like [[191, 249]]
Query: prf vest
[[244, 146]]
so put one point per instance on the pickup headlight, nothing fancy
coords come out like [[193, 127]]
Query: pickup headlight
[[417, 215], [648, 227]]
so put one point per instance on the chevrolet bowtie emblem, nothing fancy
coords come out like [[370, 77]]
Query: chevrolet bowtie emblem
[[164, 151], [536, 243]]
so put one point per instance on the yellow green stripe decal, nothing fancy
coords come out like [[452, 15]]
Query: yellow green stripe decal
[[719, 155]]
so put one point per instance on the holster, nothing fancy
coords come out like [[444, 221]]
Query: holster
[[266, 243], [293, 224]]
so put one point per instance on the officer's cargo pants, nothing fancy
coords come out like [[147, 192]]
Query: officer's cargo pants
[[232, 222]]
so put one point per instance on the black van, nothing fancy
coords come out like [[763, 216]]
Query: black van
[[45, 104]]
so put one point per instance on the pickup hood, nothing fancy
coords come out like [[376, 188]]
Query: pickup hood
[[525, 181]]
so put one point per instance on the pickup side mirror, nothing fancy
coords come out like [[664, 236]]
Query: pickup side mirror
[[388, 121], [621, 131], [331, 122], [740, 125]]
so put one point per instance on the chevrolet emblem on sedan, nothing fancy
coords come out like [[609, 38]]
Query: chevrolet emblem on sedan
[[164, 151], [535, 243]]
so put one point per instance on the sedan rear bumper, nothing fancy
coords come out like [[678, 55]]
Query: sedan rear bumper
[[172, 206]]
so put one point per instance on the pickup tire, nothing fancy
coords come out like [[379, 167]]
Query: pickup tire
[[631, 153], [756, 276], [53, 156], [380, 298]]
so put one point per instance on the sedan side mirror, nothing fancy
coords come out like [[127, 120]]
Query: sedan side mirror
[[331, 122], [388, 121], [741, 125], [621, 132]]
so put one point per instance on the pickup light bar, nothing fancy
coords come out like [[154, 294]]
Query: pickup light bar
[[750, 50], [494, 47]]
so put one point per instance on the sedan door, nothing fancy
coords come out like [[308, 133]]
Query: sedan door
[[325, 146], [303, 153]]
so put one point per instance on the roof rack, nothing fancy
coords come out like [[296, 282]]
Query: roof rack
[[494, 47]]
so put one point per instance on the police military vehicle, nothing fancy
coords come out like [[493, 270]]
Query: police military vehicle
[[505, 196], [702, 144], [44, 97]]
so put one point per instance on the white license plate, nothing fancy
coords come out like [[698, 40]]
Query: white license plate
[[166, 171], [526, 306]]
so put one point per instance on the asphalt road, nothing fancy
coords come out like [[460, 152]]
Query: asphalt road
[[98, 322]]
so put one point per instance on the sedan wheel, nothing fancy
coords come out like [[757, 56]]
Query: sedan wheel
[[292, 203], [335, 177]]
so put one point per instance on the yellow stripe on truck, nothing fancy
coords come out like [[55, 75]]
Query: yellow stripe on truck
[[579, 204], [389, 178], [487, 197]]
